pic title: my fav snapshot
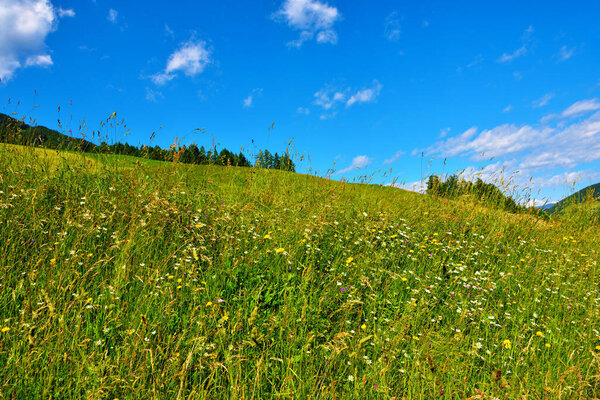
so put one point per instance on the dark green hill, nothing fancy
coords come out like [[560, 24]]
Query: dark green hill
[[577, 197], [16, 131]]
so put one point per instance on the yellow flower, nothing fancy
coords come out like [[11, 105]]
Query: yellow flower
[[548, 345], [225, 316], [195, 253], [210, 303], [598, 348], [349, 260], [540, 333], [404, 279], [5, 329], [267, 236], [363, 327], [280, 250], [506, 344]]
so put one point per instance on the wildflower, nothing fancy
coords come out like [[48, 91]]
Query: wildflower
[[351, 378], [506, 344], [548, 345], [349, 260], [477, 345], [208, 304], [279, 250], [363, 327], [195, 254], [597, 347], [540, 333], [6, 329], [267, 236]]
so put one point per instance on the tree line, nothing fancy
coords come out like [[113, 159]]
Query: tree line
[[17, 132], [488, 193]]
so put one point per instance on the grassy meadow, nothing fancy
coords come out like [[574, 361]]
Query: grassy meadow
[[128, 279]]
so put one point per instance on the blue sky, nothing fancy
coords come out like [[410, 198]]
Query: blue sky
[[419, 87]]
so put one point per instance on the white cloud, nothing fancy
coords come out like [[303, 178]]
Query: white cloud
[[358, 162], [548, 152], [327, 36], [303, 110], [394, 158], [444, 132], [330, 97], [392, 27], [310, 17], [565, 53], [42, 60], [247, 102], [365, 95], [112, 15], [190, 58], [25, 26], [521, 51], [581, 107], [543, 100], [499, 141], [507, 57], [508, 108], [65, 13]]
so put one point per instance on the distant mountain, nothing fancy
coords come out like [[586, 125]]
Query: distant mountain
[[546, 206], [577, 197], [16, 131]]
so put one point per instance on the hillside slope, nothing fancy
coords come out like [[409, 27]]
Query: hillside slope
[[577, 197], [190, 281]]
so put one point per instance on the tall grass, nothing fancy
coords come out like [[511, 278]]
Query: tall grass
[[123, 279]]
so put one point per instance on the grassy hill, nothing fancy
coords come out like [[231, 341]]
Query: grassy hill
[[122, 279], [589, 192]]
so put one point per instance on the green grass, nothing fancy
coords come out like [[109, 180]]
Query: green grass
[[126, 280]]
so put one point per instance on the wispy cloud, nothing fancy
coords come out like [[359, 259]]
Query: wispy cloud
[[310, 17], [62, 13], [247, 102], [581, 107], [358, 162], [508, 108], [565, 53], [25, 26], [521, 51], [392, 27], [153, 95], [330, 97], [112, 15], [41, 60], [365, 95], [394, 158], [191, 58], [561, 147], [303, 110], [542, 101]]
